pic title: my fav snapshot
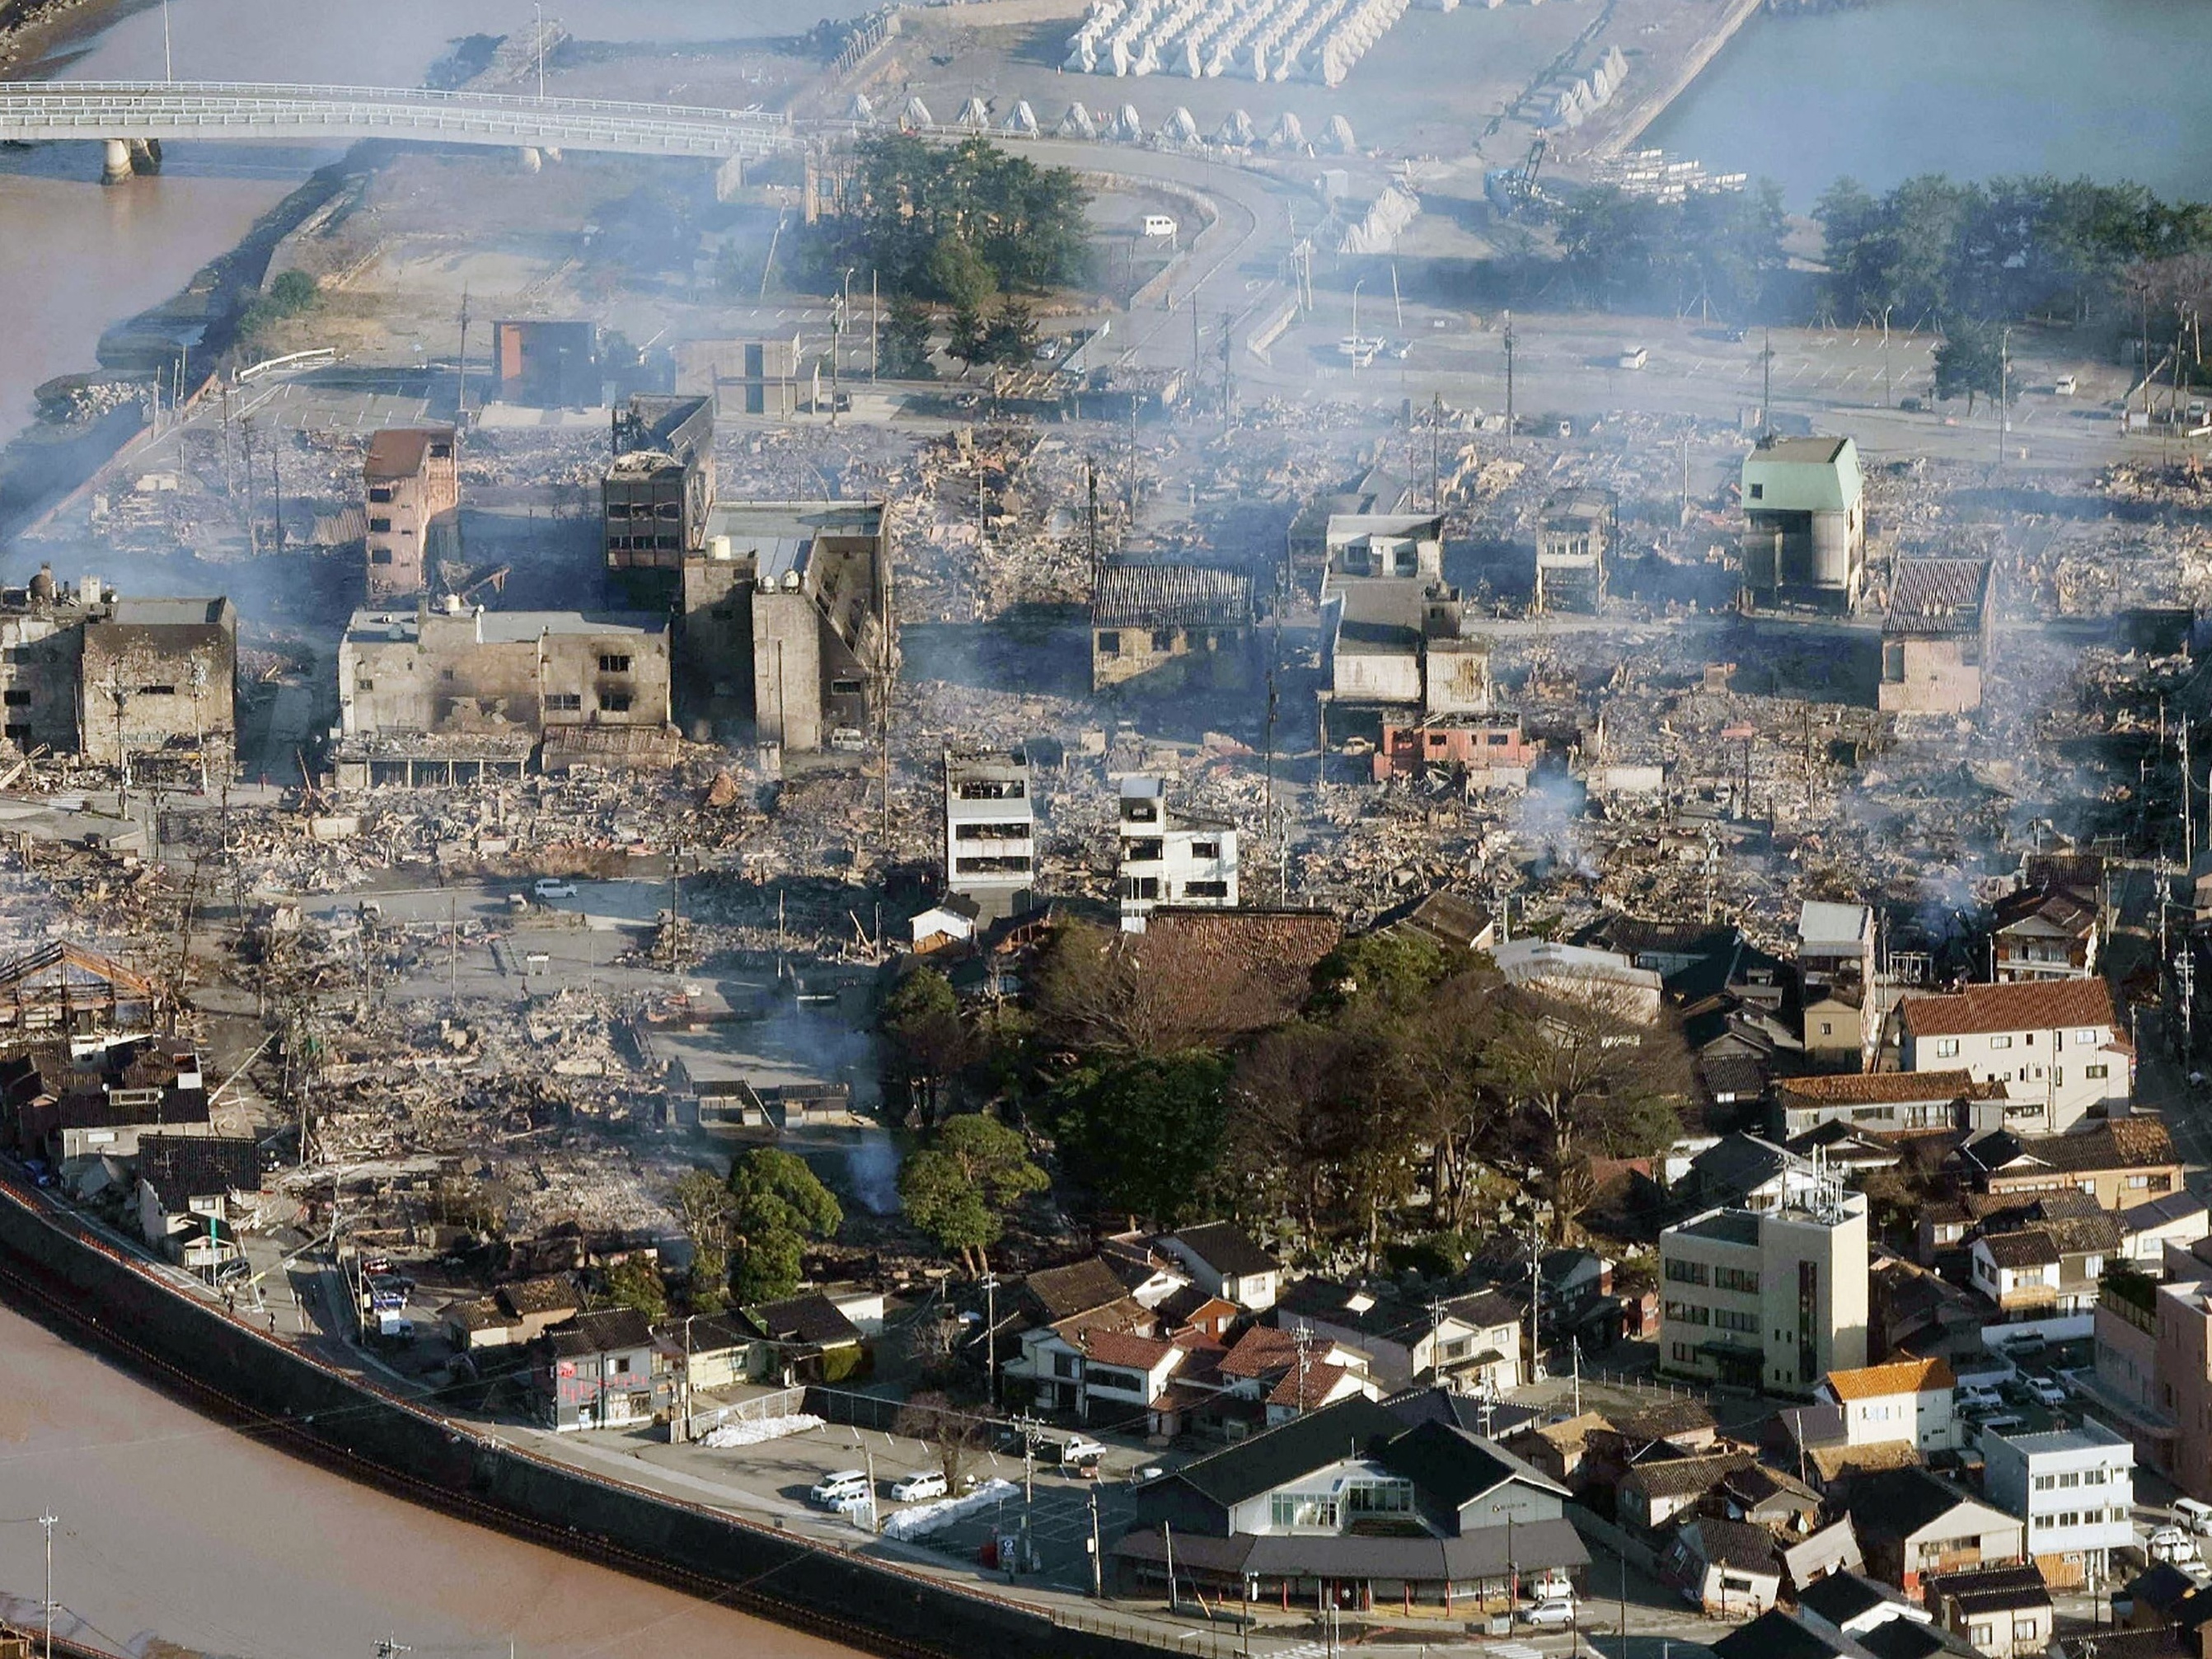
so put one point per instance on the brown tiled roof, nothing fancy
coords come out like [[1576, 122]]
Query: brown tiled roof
[[2030, 1247], [1938, 596], [1886, 1088], [2115, 1144], [2051, 1005], [1170, 596], [1309, 1388], [1139, 1353], [1833, 1462], [1263, 1349], [1906, 1377], [1681, 1477], [397, 451], [2056, 905], [1076, 1288]]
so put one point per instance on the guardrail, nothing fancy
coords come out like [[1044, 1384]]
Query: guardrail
[[240, 109]]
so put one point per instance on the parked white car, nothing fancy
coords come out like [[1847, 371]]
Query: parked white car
[[552, 887], [914, 1488], [2170, 1544], [2047, 1389], [832, 1490], [1081, 1449], [1555, 1615], [2193, 1516]]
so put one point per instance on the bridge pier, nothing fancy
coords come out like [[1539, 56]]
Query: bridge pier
[[115, 165], [146, 155], [532, 160], [729, 179]]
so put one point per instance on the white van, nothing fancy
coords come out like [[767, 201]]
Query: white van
[[832, 1490], [1159, 224], [2193, 1516]]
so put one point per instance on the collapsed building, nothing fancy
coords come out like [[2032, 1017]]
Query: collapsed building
[[546, 363], [786, 623], [146, 684], [1574, 536], [453, 695], [411, 478]]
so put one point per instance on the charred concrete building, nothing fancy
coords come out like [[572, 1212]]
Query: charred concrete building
[[1935, 637], [742, 377], [412, 483], [86, 671], [990, 832], [452, 694], [1171, 628], [785, 622], [1804, 533], [1574, 537], [655, 495]]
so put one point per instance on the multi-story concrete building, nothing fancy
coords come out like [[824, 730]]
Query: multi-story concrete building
[[146, 683], [1574, 534], [1935, 637], [787, 623], [1804, 533], [2059, 1047], [655, 495], [744, 377], [411, 478], [2075, 1488], [1168, 857], [990, 831], [1486, 751], [1835, 943], [1771, 1300], [451, 695], [546, 362]]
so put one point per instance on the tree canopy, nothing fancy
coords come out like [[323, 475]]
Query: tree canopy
[[777, 1204], [960, 1188], [1717, 252], [957, 225], [1145, 1133]]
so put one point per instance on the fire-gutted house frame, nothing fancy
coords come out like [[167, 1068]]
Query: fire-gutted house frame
[[1159, 628], [655, 495], [63, 987]]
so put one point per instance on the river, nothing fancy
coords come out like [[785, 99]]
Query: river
[[2113, 89], [176, 1527], [76, 258]]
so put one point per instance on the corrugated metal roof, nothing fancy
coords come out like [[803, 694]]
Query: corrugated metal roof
[[1940, 596]]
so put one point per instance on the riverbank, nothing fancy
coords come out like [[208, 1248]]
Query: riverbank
[[1639, 114], [32, 32]]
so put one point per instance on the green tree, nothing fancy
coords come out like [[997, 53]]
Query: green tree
[[294, 291], [777, 1204], [925, 1044], [965, 346], [635, 1282], [959, 275], [960, 1188], [1969, 360], [905, 341], [1146, 1135], [1384, 973], [1011, 336]]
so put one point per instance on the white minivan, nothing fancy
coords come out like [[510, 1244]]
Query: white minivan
[[1159, 224], [2193, 1516], [833, 1489]]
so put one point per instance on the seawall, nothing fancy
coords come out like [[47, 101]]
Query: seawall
[[318, 1411], [1739, 13]]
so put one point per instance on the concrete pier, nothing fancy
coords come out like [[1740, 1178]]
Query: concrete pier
[[115, 165]]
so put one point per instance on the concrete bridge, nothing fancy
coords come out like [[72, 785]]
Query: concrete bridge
[[135, 116]]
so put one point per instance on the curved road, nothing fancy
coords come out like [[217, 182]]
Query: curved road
[[177, 1528]]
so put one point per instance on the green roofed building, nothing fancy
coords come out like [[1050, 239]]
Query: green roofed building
[[1804, 533]]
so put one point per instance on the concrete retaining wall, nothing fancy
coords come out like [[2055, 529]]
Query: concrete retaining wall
[[327, 1414]]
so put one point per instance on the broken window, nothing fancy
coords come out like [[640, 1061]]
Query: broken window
[[379, 555], [615, 703], [1208, 890], [613, 665], [380, 524], [1163, 639], [380, 493], [157, 691], [560, 703], [1109, 642], [1206, 849], [1142, 851], [18, 699], [845, 688]]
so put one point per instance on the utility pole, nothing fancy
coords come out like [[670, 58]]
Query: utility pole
[[1885, 356], [875, 314], [538, 26], [1509, 375], [168, 70], [991, 1338], [2004, 390], [1685, 519], [253, 532], [388, 1648], [49, 1520], [1097, 1567], [1766, 388], [461, 383]]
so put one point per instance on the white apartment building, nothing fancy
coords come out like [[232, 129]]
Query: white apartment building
[[1168, 857], [2076, 1487], [990, 831], [2059, 1048], [1771, 1300], [1909, 1401]]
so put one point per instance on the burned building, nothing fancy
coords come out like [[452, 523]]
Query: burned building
[[1171, 857], [455, 694], [1395, 655], [1935, 637], [84, 669], [411, 477], [655, 495], [553, 365], [1368, 504], [990, 832], [1486, 751], [1574, 537], [1171, 628], [742, 377], [1804, 532], [786, 623]]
